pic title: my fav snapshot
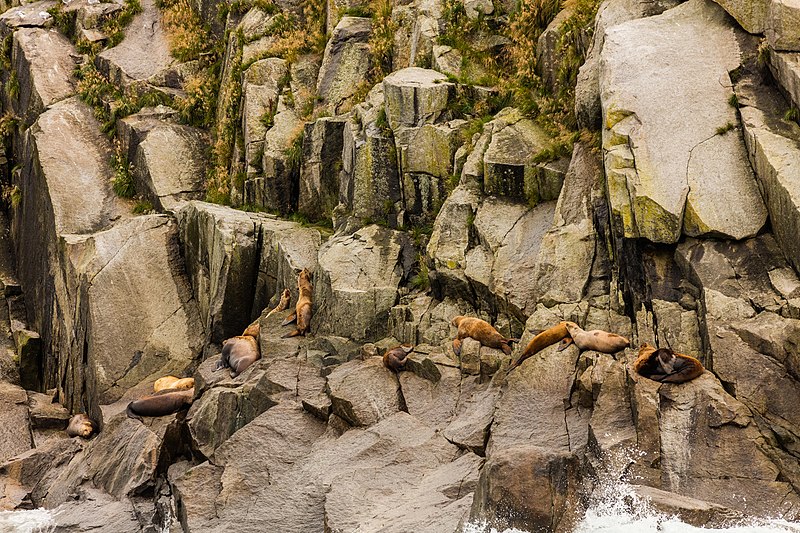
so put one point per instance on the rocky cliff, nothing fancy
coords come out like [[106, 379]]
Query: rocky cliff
[[170, 167]]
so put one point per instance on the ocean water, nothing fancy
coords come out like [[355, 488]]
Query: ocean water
[[33, 521]]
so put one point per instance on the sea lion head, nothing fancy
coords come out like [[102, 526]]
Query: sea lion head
[[253, 330], [81, 425], [304, 275], [457, 320], [407, 348], [571, 326]]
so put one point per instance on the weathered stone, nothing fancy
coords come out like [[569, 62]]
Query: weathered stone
[[785, 68], [750, 14], [15, 437], [221, 250], [45, 414], [548, 52], [43, 69], [692, 511], [415, 96], [95, 511], [261, 86], [17, 16], [346, 59], [356, 282], [364, 392], [658, 194], [783, 25], [450, 239], [320, 168], [469, 429], [29, 355], [447, 60]]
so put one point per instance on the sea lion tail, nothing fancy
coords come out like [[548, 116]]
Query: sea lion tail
[[131, 414], [290, 319], [294, 333]]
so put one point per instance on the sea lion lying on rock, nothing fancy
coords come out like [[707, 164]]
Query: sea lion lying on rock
[[395, 358], [162, 403], [596, 339], [541, 341], [666, 366], [238, 353], [302, 311], [481, 331], [81, 425], [172, 383]]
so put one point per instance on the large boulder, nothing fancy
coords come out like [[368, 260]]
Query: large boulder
[[695, 183], [15, 435], [345, 63], [364, 392], [415, 96], [356, 282], [261, 85], [785, 68], [319, 170], [783, 26]]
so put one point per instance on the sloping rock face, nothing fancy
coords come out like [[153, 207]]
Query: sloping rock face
[[346, 59], [661, 193]]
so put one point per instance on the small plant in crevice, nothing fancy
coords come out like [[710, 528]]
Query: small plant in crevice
[[733, 101], [12, 86], [143, 207], [122, 181], [722, 130], [12, 195], [294, 153], [8, 124], [114, 26], [792, 114], [421, 279], [8, 42]]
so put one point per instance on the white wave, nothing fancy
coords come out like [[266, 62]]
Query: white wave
[[33, 521]]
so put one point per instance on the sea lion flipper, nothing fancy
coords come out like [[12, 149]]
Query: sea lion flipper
[[457, 347], [131, 414], [294, 333], [564, 344], [292, 318]]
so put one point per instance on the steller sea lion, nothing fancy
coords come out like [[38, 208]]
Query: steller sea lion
[[481, 331], [81, 425], [597, 340], [162, 403], [286, 295], [395, 358], [238, 353], [173, 383], [302, 311], [253, 330], [666, 366], [541, 341]]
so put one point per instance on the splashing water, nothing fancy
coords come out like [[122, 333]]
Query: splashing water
[[33, 521]]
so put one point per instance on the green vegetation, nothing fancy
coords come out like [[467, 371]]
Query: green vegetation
[[122, 182], [143, 207], [733, 101], [294, 153], [12, 86], [12, 195], [8, 124], [722, 130], [421, 279], [792, 114]]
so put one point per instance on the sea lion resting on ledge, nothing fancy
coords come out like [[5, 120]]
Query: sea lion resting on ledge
[[302, 311], [172, 383], [541, 341], [238, 353], [666, 366], [481, 331], [160, 404], [81, 425], [596, 340], [395, 358]]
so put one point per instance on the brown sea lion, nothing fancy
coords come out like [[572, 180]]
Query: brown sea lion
[[481, 331], [81, 425], [286, 295], [163, 403], [238, 353], [395, 358], [253, 330], [173, 383], [666, 366], [302, 311], [596, 339], [541, 341]]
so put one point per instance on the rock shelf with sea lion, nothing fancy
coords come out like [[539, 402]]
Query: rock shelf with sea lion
[[481, 331], [302, 311], [172, 383], [286, 295], [239, 352], [395, 358], [596, 339], [160, 404], [541, 341], [81, 425], [666, 366]]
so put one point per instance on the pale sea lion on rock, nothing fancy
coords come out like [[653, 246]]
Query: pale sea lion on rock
[[395, 358], [163, 403], [666, 366], [541, 341], [81, 425], [172, 383], [481, 331], [302, 311], [596, 339]]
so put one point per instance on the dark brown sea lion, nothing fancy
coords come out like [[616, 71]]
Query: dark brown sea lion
[[666, 366], [81, 425], [541, 341], [596, 339], [238, 353], [302, 311], [395, 358], [481, 331], [160, 404]]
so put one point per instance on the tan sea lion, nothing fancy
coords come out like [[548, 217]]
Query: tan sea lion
[[541, 341], [253, 330], [173, 383], [286, 295], [481, 331], [238, 353], [81, 425], [302, 311], [395, 358], [162, 403], [596, 339], [666, 366]]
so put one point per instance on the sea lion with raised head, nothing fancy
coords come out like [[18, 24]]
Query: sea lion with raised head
[[302, 311], [238, 353], [541, 341], [666, 366], [596, 339], [81, 425], [172, 383], [162, 403], [395, 358], [286, 295], [481, 331]]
